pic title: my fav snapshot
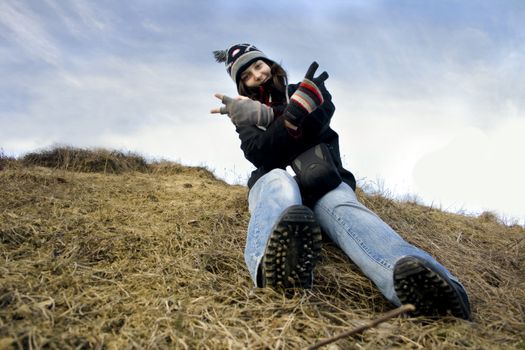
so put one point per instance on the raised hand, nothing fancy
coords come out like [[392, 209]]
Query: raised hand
[[306, 98], [310, 74], [244, 111]]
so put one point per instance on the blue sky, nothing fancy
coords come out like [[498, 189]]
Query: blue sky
[[430, 95]]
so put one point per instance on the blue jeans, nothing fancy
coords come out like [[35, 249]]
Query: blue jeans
[[366, 239]]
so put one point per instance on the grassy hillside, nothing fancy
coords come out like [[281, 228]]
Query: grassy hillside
[[102, 250]]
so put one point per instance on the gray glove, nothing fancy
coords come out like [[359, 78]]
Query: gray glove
[[247, 112]]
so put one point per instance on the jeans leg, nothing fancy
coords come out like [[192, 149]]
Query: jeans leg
[[267, 200], [366, 239]]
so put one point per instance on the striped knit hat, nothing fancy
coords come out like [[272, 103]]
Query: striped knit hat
[[239, 57]]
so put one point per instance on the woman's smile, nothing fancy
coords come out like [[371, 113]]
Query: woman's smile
[[256, 74]]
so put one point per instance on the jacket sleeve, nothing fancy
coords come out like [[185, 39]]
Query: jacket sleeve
[[319, 120], [270, 148]]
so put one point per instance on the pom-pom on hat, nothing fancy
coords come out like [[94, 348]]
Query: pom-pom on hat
[[239, 57]]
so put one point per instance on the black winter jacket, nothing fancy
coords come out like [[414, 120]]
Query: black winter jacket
[[275, 147]]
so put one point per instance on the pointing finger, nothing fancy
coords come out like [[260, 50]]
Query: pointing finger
[[226, 99]]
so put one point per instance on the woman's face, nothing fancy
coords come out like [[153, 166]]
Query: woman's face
[[256, 74]]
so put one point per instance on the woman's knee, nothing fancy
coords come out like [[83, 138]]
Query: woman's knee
[[277, 184], [341, 195], [278, 174], [278, 178]]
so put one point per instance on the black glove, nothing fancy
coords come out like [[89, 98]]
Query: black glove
[[306, 98], [247, 112]]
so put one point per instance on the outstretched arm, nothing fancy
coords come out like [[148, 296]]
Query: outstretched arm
[[306, 99], [244, 111], [319, 120]]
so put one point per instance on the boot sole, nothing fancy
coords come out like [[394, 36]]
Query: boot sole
[[292, 250], [432, 294]]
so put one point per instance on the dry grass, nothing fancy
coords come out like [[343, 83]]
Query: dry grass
[[86, 160], [150, 256]]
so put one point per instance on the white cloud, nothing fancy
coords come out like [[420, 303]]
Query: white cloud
[[92, 16], [24, 28], [478, 170], [430, 146], [409, 82], [212, 142], [160, 109], [383, 136], [109, 93]]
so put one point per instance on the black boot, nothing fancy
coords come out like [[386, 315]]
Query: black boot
[[292, 250], [433, 294]]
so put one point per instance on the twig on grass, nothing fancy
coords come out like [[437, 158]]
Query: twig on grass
[[387, 316]]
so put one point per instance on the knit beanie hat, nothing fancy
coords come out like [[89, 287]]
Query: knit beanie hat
[[239, 57]]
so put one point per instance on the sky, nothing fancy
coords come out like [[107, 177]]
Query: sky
[[429, 95]]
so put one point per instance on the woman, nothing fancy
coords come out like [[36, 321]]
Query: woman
[[284, 125]]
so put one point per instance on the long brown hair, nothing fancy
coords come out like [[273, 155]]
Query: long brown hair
[[279, 82]]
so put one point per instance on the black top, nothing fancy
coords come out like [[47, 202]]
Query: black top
[[276, 147]]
